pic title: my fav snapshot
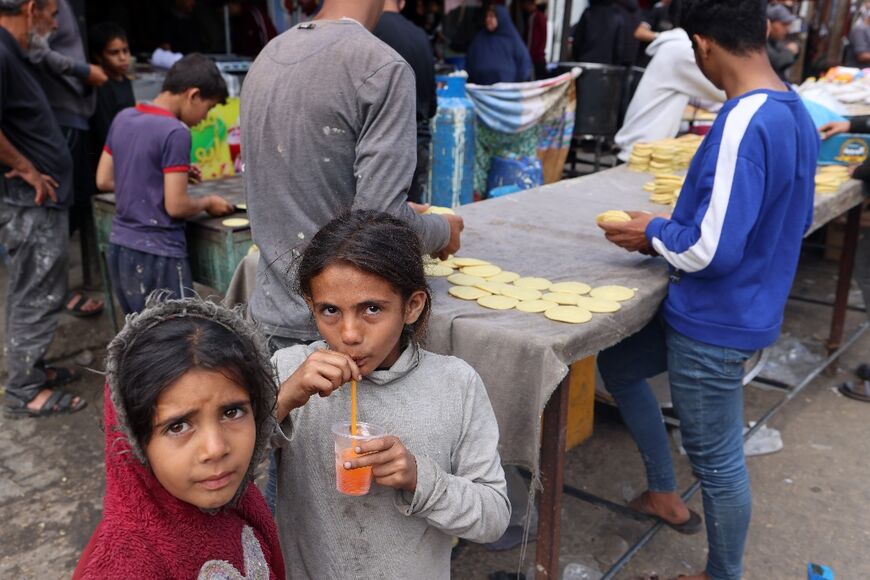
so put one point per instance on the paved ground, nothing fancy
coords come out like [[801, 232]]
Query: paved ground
[[810, 503]]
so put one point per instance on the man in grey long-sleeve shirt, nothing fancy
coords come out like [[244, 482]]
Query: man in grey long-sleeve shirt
[[328, 125]]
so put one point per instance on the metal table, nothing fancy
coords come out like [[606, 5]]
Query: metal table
[[214, 249], [551, 232]]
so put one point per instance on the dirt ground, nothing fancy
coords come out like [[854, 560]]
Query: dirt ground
[[810, 502]]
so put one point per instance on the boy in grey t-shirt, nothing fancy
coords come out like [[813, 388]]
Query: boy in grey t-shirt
[[328, 117]]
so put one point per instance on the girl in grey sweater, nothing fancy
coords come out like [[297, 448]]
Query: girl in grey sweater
[[437, 473]]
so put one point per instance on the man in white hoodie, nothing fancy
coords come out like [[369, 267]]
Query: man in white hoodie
[[670, 81]]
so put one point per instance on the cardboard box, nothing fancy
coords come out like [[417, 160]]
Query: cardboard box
[[844, 149]]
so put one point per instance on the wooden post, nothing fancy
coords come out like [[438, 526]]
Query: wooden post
[[552, 478], [844, 278]]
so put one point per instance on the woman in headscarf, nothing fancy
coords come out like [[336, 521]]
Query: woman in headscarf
[[498, 54]]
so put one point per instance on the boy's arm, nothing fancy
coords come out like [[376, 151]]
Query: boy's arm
[[386, 152], [471, 502], [714, 242], [106, 172], [175, 163]]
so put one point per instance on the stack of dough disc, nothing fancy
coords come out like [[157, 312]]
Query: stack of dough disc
[[640, 157], [613, 215], [665, 155], [829, 178], [569, 302], [665, 189]]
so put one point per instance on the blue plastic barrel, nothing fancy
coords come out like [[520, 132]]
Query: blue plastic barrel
[[451, 171], [523, 172]]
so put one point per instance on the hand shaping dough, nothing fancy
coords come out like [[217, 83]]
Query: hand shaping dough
[[569, 314], [467, 292], [498, 302], [613, 293], [613, 215]]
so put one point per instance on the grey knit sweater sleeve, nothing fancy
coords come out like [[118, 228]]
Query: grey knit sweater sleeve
[[386, 151], [472, 502]]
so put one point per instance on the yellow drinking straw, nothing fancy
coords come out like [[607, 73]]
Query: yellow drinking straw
[[353, 428]]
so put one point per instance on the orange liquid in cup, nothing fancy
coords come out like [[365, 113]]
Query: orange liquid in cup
[[351, 481]]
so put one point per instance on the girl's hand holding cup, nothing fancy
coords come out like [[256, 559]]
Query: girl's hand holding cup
[[391, 462], [321, 374]]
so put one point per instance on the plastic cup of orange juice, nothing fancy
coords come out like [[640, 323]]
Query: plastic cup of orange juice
[[353, 481]]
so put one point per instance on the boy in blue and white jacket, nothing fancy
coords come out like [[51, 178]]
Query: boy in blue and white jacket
[[732, 244]]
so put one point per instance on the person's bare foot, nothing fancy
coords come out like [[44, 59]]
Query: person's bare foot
[[40, 399], [667, 506]]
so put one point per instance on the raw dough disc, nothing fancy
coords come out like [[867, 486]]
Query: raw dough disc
[[597, 305], [463, 262], [533, 283], [523, 294], [498, 302], [437, 270], [569, 314], [467, 292], [487, 271], [613, 293], [438, 210], [461, 279], [561, 298], [613, 215], [242, 206], [235, 222], [571, 288], [505, 277], [535, 306], [448, 262], [492, 287]]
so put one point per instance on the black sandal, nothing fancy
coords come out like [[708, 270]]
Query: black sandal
[[859, 391], [691, 526], [62, 376], [77, 309], [58, 403]]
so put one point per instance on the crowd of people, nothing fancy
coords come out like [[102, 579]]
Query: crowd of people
[[335, 115]]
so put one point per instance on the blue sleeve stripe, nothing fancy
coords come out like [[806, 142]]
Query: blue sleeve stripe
[[701, 253]]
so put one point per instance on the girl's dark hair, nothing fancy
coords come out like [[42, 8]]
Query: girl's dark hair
[[374, 242], [166, 351], [100, 35]]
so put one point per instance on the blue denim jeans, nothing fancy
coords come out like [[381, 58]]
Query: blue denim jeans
[[707, 393]]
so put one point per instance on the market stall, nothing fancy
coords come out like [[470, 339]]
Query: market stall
[[525, 358]]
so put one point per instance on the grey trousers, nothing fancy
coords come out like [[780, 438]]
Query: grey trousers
[[37, 243]]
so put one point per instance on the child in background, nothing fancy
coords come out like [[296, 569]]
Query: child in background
[[188, 415], [437, 473], [146, 162], [107, 44]]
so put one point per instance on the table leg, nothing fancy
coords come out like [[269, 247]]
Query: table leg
[[107, 286], [844, 278], [552, 477]]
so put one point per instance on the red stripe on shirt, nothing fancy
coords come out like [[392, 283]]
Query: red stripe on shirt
[[154, 110], [177, 169], [107, 150]]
